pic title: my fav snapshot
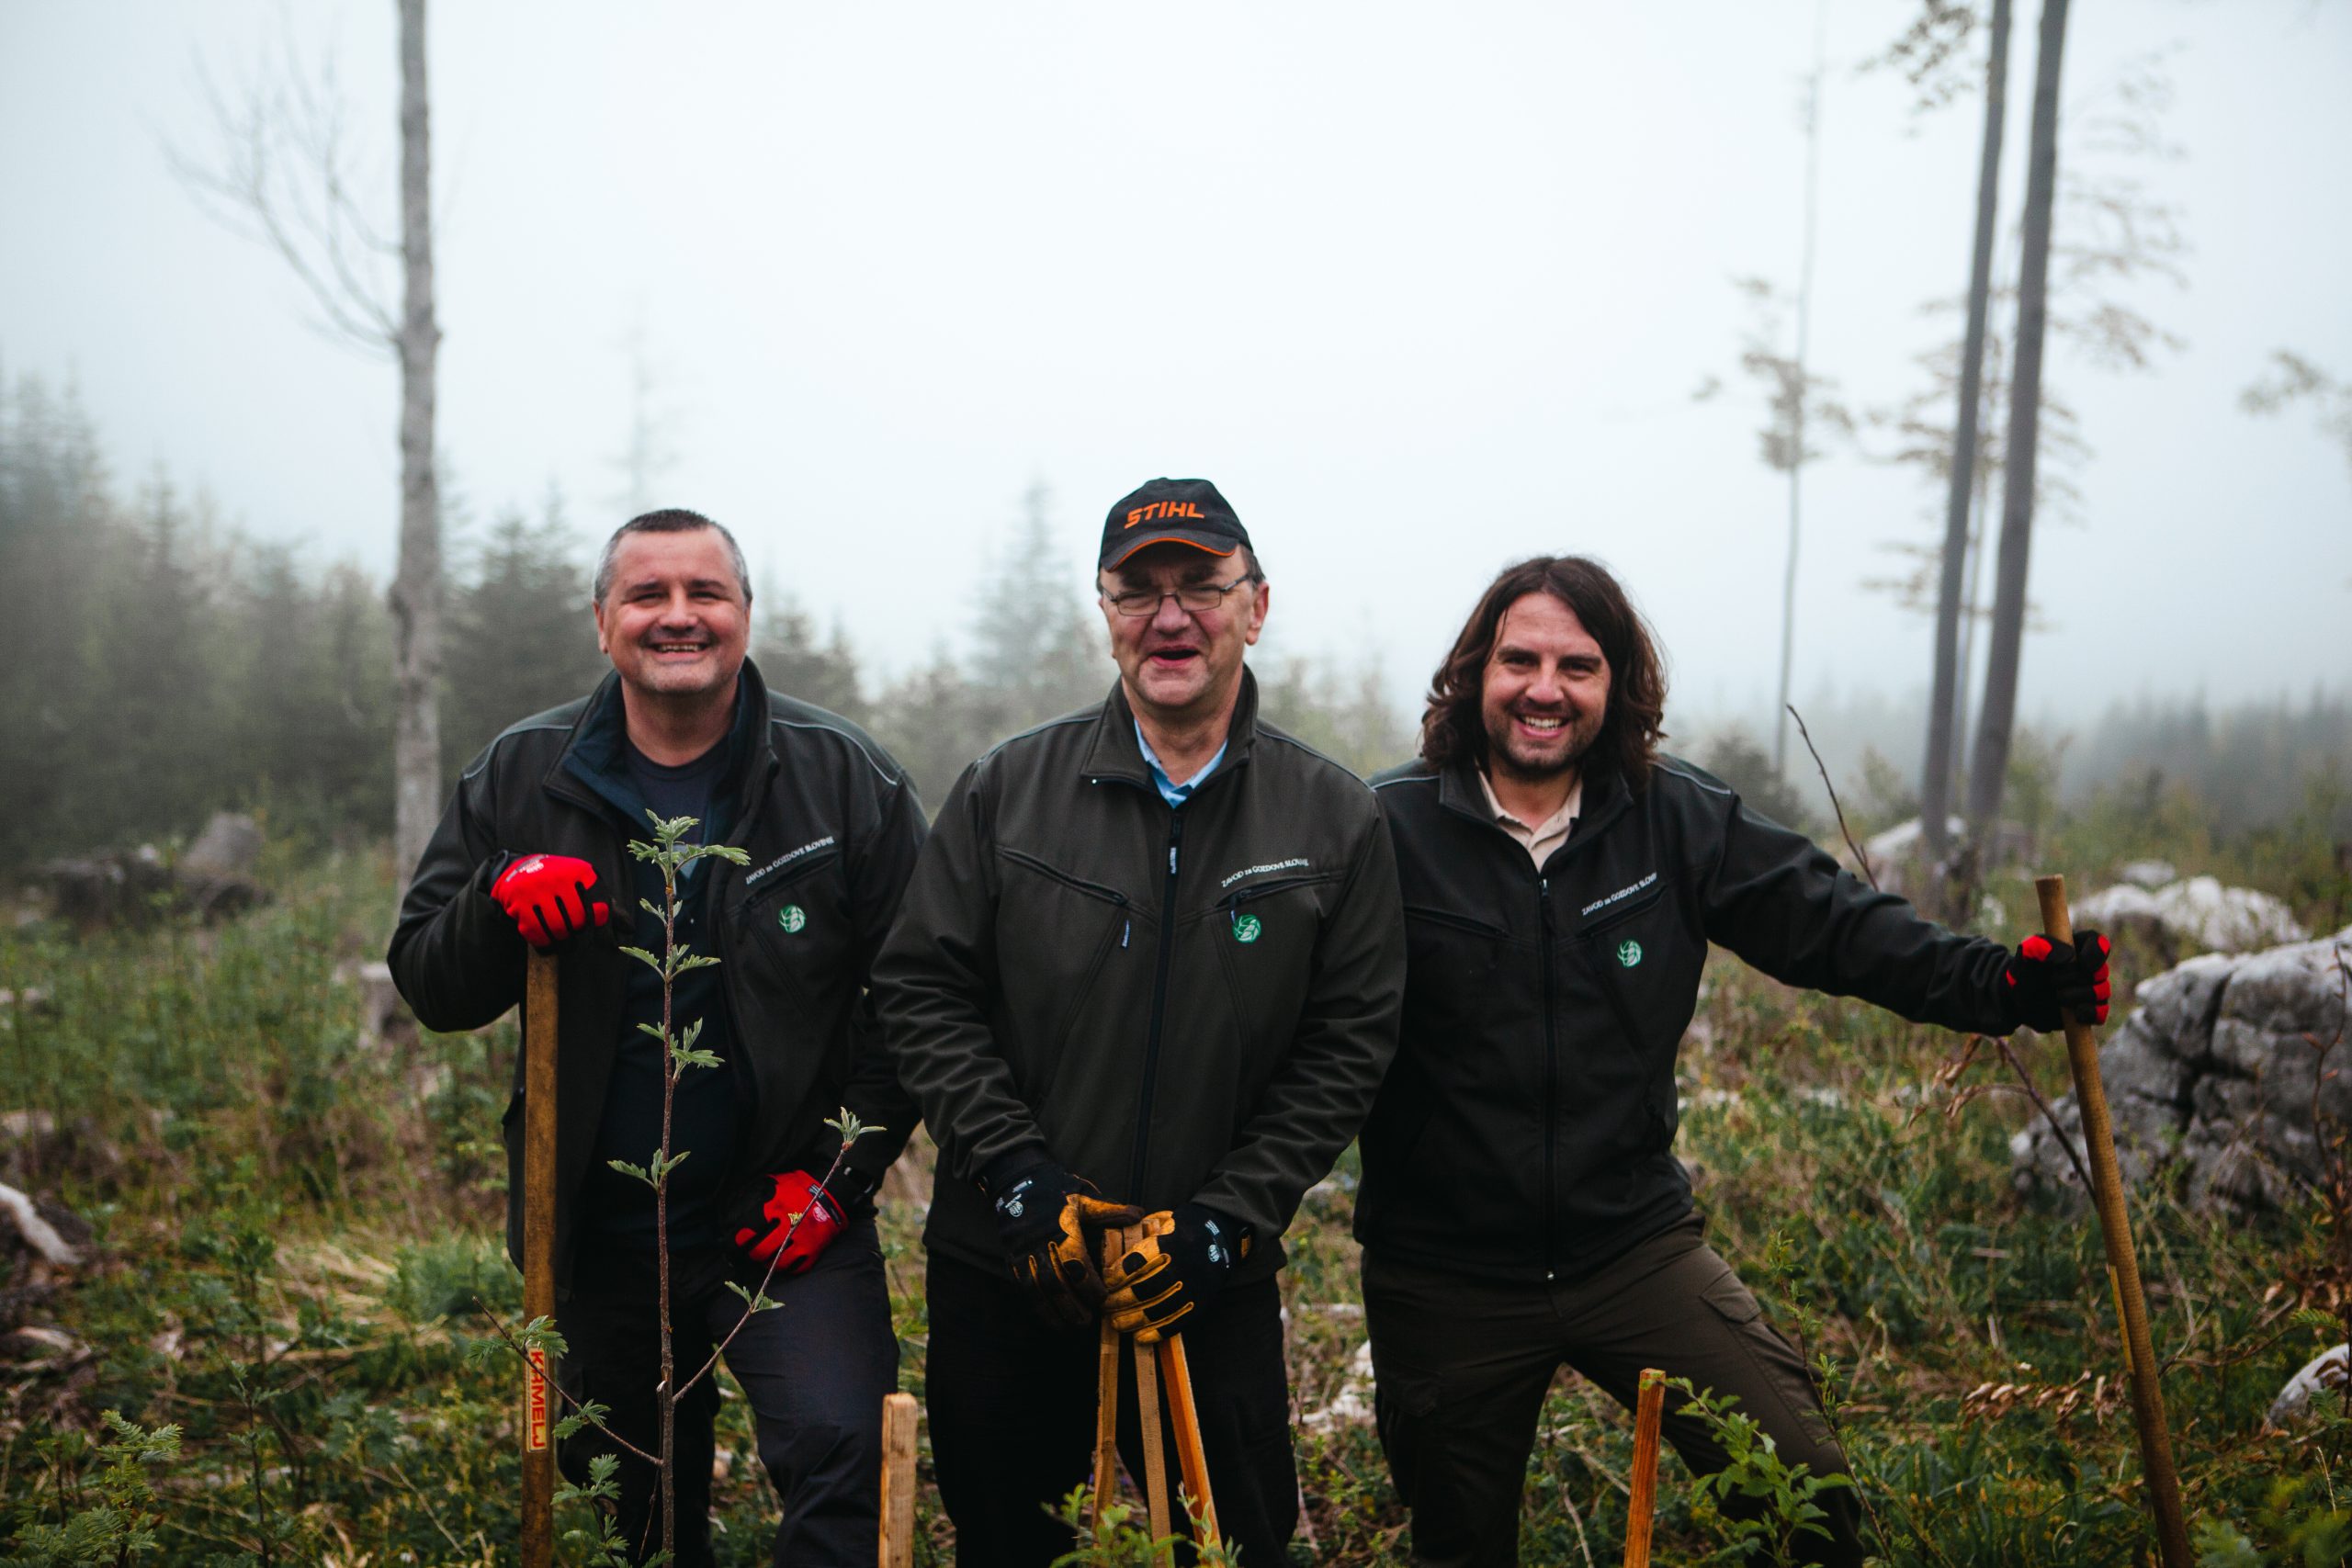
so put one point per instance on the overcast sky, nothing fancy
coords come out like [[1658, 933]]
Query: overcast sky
[[1422, 289]]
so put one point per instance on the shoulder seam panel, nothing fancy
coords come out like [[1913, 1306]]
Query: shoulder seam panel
[[880, 770]]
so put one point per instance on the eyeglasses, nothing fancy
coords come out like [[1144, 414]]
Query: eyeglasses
[[1194, 598]]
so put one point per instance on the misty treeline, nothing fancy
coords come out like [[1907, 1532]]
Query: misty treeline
[[160, 665]]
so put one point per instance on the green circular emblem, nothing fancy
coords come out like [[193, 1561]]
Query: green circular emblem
[[792, 916], [1629, 952], [1246, 929]]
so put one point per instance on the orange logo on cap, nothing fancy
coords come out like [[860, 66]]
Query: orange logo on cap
[[1159, 509]]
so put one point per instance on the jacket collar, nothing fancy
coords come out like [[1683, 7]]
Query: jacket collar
[[1605, 798], [1113, 754], [593, 747]]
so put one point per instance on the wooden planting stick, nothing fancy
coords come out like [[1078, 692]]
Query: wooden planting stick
[[539, 1249], [1648, 1410], [2122, 1262], [1155, 1455], [1106, 1423], [1191, 1457], [897, 1544]]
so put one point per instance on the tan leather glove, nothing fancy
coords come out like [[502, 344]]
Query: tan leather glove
[[1177, 1259]]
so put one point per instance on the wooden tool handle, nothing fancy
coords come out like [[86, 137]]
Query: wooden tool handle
[[538, 1250], [898, 1543], [1191, 1457], [2122, 1262], [1649, 1411], [1106, 1423], [1155, 1454]]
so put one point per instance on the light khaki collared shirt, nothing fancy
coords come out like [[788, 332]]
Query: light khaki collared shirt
[[1544, 837]]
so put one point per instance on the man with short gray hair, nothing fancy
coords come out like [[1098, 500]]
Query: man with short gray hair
[[536, 849]]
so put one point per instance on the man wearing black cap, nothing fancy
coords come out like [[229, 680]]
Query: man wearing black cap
[[1148, 970]]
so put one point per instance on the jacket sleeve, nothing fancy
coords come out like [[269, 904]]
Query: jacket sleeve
[[1775, 899], [456, 956], [934, 983], [879, 870], [1319, 1097]]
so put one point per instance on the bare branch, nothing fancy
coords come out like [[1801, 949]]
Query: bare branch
[[279, 175]]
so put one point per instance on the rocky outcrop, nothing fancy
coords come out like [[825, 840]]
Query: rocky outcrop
[[2220, 1067], [2196, 916]]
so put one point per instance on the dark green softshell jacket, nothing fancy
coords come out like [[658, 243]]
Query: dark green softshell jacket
[[1527, 1128], [832, 828], [1178, 1005]]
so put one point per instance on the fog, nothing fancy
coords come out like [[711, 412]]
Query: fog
[[1422, 289]]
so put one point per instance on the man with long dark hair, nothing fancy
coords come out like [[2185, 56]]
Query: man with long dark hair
[[1522, 1207]]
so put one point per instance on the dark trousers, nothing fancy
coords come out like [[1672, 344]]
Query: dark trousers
[[1463, 1365], [1011, 1407], [815, 1371]]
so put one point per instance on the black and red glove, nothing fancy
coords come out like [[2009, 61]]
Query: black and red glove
[[766, 1222], [548, 896], [2042, 976]]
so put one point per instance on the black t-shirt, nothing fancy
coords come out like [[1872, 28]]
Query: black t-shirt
[[703, 1111]]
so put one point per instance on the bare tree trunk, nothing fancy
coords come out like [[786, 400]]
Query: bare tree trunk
[[1989, 769], [1803, 393], [1943, 710], [416, 585]]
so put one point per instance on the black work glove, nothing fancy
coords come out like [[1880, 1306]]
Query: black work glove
[[2042, 977], [1181, 1262], [1049, 1224]]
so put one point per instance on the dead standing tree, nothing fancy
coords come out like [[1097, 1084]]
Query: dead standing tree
[[285, 177], [1998, 716], [1937, 777]]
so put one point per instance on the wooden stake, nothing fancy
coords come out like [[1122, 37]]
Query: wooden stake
[[1106, 1424], [1191, 1457], [897, 1544], [1155, 1454], [2122, 1262], [1648, 1410], [538, 1250]]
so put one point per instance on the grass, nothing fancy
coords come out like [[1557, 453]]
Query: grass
[[293, 1231]]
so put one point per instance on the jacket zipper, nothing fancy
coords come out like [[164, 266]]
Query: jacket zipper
[[1159, 1005], [1551, 1082]]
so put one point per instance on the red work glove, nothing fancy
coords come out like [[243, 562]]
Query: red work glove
[[2042, 977], [764, 1227], [548, 896]]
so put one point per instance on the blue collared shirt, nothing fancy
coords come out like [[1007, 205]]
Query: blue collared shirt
[[1169, 791]]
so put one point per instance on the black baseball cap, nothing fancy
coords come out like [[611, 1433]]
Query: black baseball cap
[[1189, 512]]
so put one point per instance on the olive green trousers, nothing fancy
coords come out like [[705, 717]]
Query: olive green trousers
[[1462, 1364]]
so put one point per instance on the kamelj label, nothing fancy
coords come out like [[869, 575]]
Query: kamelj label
[[535, 1403]]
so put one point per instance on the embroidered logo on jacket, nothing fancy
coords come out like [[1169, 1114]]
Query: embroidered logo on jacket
[[788, 857], [1620, 895]]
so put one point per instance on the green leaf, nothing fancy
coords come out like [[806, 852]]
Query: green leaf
[[642, 956], [759, 1303], [627, 1170], [685, 1058]]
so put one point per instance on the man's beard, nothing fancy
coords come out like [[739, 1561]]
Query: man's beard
[[1504, 749]]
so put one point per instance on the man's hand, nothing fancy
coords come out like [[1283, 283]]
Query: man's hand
[[2042, 977], [1048, 1223], [548, 896], [1180, 1263], [767, 1218]]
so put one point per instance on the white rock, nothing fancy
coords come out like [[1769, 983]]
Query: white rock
[[38, 1234], [1352, 1405], [2325, 1371]]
